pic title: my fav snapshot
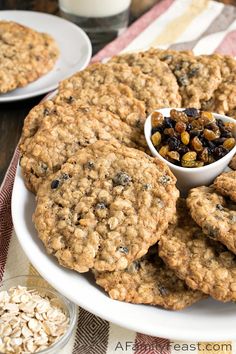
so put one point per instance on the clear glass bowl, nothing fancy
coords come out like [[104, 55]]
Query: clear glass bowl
[[38, 283]]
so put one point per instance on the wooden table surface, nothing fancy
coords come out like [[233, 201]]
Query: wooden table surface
[[12, 114]]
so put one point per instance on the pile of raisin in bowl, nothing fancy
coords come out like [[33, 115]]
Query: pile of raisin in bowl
[[191, 138]]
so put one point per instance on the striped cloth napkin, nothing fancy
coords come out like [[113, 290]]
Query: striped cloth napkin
[[204, 26]]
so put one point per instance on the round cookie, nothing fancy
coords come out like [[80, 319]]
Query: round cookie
[[214, 215], [118, 99], [25, 55], [148, 281], [204, 264], [225, 184], [66, 130], [105, 207], [144, 87], [197, 76], [152, 66], [224, 97]]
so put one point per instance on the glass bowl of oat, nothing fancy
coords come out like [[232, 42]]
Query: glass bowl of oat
[[196, 145], [34, 317]]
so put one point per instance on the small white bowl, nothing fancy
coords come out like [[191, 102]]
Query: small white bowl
[[191, 177]]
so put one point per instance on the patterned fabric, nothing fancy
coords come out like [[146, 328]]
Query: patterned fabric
[[204, 26]]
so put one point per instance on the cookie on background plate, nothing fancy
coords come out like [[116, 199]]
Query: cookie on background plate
[[105, 207], [148, 281], [63, 132], [25, 55], [152, 66], [204, 264], [214, 214], [225, 184]]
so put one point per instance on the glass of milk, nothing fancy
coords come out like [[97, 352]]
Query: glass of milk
[[101, 19]]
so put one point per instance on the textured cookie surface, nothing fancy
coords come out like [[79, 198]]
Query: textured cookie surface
[[225, 184], [116, 98], [148, 281], [223, 100], [197, 76], [152, 66], [65, 130], [144, 87], [25, 55], [204, 264], [233, 163], [214, 215], [105, 207]]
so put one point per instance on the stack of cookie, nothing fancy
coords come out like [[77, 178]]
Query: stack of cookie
[[102, 202], [202, 250]]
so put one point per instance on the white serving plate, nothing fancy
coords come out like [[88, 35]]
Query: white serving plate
[[207, 320], [75, 51]]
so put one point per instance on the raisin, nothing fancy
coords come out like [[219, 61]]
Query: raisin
[[123, 249], [164, 150], [193, 72], [219, 141], [192, 112], [157, 129], [121, 179], [194, 133], [197, 144], [189, 156], [206, 118], [157, 119], [169, 123], [209, 134], [173, 143], [178, 116], [183, 149], [204, 155], [180, 127], [174, 155], [163, 291], [90, 165], [46, 112], [189, 127], [183, 80], [185, 138], [100, 206], [55, 184], [220, 152], [70, 99], [156, 138], [169, 131], [229, 143]]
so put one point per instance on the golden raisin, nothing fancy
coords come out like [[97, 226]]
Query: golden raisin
[[185, 138], [197, 144], [178, 116], [192, 164], [174, 155], [189, 156], [164, 150], [229, 126], [209, 134], [157, 119], [229, 143], [207, 118], [204, 156], [169, 131], [180, 127], [156, 138]]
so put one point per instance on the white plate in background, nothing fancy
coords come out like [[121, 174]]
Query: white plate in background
[[75, 51]]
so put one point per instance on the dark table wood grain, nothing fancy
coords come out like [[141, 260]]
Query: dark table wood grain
[[12, 114]]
